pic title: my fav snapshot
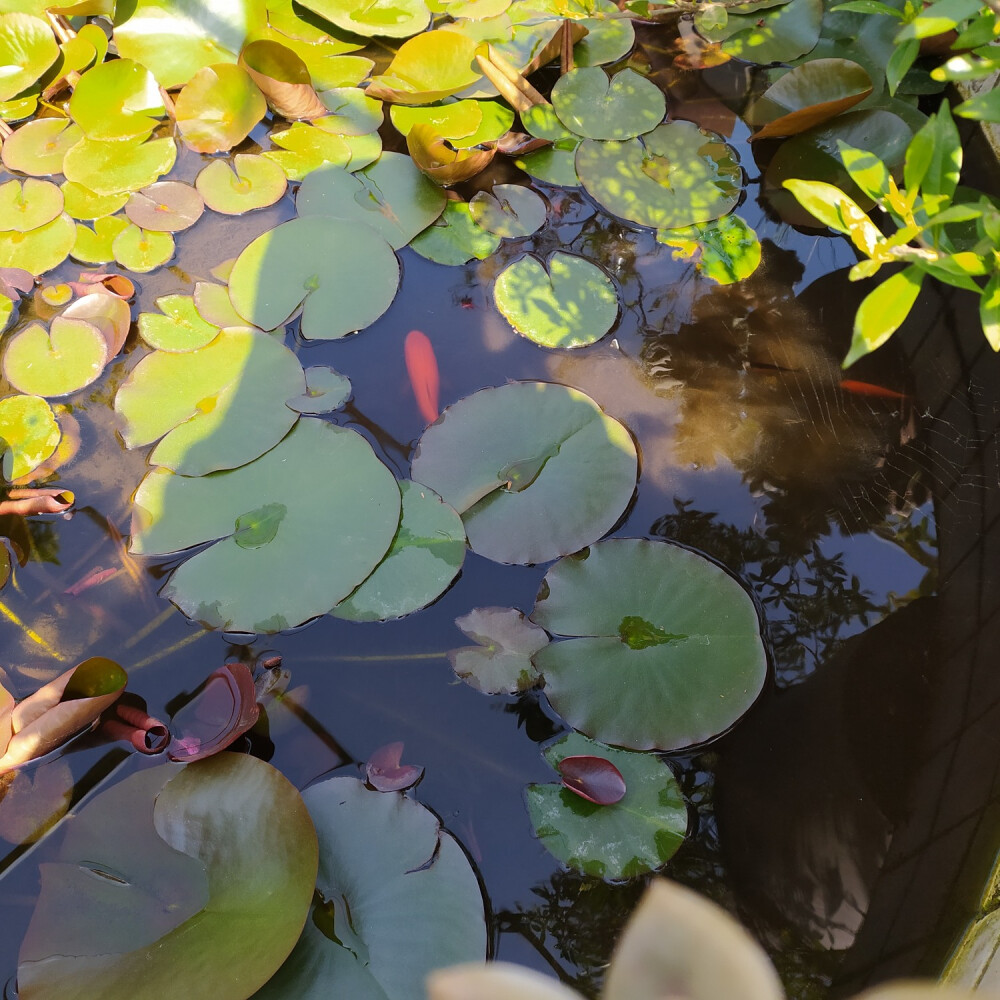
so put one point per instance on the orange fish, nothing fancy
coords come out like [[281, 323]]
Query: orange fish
[[422, 367], [867, 389]]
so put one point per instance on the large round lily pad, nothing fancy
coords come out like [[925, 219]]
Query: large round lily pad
[[29, 434], [217, 407], [537, 470], [161, 887], [343, 274], [295, 531], [667, 649], [109, 166], [571, 303], [674, 176], [637, 834], [425, 556], [58, 361], [396, 898], [622, 107]]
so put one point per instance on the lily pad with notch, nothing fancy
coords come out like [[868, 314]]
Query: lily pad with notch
[[591, 105], [343, 276], [28, 205], [326, 390], [423, 560], [383, 18], [725, 250], [671, 632], [29, 434], [509, 210], [251, 580], [218, 108], [395, 898], [160, 880], [777, 34], [536, 469], [178, 327], [500, 663], [59, 361], [570, 303], [27, 50], [142, 250], [37, 148], [109, 167], [634, 835], [41, 249], [455, 237], [118, 99]]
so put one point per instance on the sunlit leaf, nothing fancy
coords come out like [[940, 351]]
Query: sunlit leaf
[[342, 274], [352, 111], [216, 407], [165, 207], [283, 79], [29, 205], [536, 469], [453, 120], [636, 832], [882, 311], [423, 560], [426, 68], [115, 166], [141, 250], [389, 18], [622, 107], [41, 249], [396, 897], [780, 35], [29, 434], [55, 362], [38, 147], [97, 245], [161, 880], [117, 100], [221, 710], [217, 108], [321, 474], [214, 305], [726, 250], [509, 210], [934, 161], [177, 327], [109, 313], [326, 391], [500, 663], [989, 311], [27, 50], [82, 203], [455, 237]]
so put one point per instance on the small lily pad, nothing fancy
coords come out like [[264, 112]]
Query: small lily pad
[[396, 897], [214, 305], [217, 108], [165, 207], [29, 205], [342, 274], [352, 112], [55, 362], [27, 50], [41, 249], [536, 469], [326, 391], [455, 237], [110, 167], [510, 210], [141, 250], [501, 662], [29, 434], [217, 407], [423, 560], [555, 165], [674, 176], [726, 250], [118, 99], [82, 203], [305, 148], [596, 107], [571, 304], [97, 245], [322, 474], [671, 632], [37, 148], [778, 34], [391, 196], [177, 327], [636, 834], [385, 18]]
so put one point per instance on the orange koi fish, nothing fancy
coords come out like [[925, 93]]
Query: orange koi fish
[[422, 367], [868, 389]]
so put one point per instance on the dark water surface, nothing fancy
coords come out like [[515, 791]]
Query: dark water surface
[[848, 819]]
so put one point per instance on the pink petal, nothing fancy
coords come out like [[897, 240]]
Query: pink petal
[[385, 773]]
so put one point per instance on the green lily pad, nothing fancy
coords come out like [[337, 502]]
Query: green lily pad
[[82, 203], [29, 205], [674, 176], [427, 68], [29, 434], [622, 107], [609, 37], [510, 210], [396, 898], [55, 362], [110, 167], [323, 475], [40, 250], [571, 303], [455, 237], [217, 407], [536, 470], [177, 327], [326, 391], [161, 880], [97, 245], [19, 108], [726, 250], [352, 112], [392, 196], [453, 120], [247, 183], [674, 635], [305, 148], [165, 207], [38, 147], [425, 557], [141, 250], [638, 834], [554, 165], [776, 35], [27, 49], [542, 122], [117, 100], [342, 274], [217, 108], [385, 18], [501, 662]]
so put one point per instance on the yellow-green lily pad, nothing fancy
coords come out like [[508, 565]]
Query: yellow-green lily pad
[[110, 167], [352, 112], [65, 358], [725, 250], [428, 67], [29, 205], [29, 434], [177, 327], [387, 18], [82, 203], [217, 108], [141, 250], [96, 246], [118, 99], [247, 183], [40, 250], [27, 49], [37, 148]]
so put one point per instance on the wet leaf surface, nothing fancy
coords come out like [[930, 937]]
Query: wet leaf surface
[[590, 104], [500, 663], [594, 779]]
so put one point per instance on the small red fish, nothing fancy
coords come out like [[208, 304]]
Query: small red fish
[[422, 367], [867, 389]]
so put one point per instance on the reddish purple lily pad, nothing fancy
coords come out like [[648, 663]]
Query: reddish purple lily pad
[[592, 778], [222, 710], [385, 773]]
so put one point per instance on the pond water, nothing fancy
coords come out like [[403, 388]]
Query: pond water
[[828, 502]]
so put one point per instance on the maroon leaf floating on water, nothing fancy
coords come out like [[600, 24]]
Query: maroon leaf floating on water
[[25, 502], [135, 726], [593, 778], [222, 710], [385, 773]]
